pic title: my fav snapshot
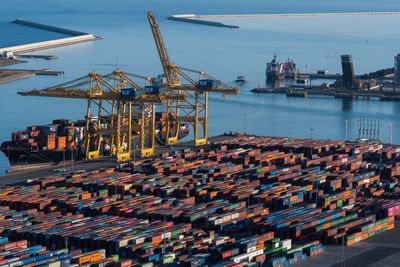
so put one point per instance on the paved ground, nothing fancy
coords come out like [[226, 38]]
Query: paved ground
[[380, 250], [20, 177]]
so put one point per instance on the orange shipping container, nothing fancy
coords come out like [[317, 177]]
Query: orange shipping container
[[95, 257], [86, 196], [84, 259]]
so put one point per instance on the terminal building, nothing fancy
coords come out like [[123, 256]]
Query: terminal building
[[397, 70], [348, 71]]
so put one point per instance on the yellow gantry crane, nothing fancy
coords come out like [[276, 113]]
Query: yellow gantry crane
[[181, 80], [122, 110]]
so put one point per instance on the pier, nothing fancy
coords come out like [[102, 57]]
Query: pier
[[325, 76], [9, 75], [47, 57], [9, 61], [385, 94]]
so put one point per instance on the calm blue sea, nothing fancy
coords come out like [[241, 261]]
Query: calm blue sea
[[312, 42]]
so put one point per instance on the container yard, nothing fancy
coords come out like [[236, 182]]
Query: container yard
[[230, 200], [239, 201]]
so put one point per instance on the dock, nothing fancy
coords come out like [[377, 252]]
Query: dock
[[9, 61], [387, 94], [310, 75], [9, 75], [46, 57], [22, 173]]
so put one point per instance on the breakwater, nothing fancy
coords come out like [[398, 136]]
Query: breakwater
[[190, 19], [76, 37], [299, 15], [48, 27], [199, 19]]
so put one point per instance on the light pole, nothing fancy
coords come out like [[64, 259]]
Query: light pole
[[244, 123], [311, 132], [72, 159], [64, 160]]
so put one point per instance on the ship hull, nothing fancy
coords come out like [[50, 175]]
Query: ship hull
[[275, 76], [19, 158]]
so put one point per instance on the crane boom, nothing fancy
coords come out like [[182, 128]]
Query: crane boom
[[171, 75], [194, 109]]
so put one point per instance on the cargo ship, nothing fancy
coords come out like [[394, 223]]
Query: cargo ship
[[279, 70], [64, 140]]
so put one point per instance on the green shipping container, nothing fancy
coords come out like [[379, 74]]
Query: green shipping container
[[175, 233], [148, 264], [371, 234], [103, 192], [168, 260], [277, 250]]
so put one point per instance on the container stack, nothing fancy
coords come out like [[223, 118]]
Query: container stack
[[244, 201], [18, 253]]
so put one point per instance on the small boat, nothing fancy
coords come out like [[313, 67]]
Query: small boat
[[241, 79]]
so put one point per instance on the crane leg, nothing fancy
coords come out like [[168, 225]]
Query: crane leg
[[147, 152]]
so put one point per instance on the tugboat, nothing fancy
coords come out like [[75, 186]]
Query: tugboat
[[278, 70], [241, 79]]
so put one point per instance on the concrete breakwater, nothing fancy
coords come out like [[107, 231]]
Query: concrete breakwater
[[76, 37], [191, 19], [296, 15], [47, 44], [199, 19], [48, 27]]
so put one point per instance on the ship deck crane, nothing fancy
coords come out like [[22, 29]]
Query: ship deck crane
[[116, 111], [180, 80]]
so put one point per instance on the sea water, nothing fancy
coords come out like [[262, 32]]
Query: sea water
[[312, 42]]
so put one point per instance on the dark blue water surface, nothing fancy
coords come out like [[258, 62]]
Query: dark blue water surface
[[315, 42]]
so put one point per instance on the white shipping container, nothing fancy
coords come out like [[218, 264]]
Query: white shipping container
[[139, 240]]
